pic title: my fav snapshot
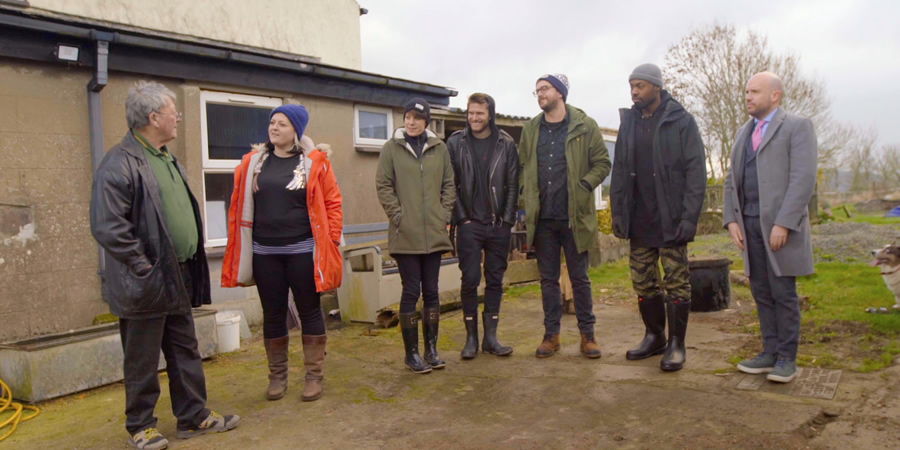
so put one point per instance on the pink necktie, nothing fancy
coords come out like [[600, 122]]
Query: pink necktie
[[756, 139]]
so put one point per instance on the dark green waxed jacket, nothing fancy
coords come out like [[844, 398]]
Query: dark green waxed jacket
[[587, 159], [417, 194]]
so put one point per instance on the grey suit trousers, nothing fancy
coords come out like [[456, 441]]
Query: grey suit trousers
[[776, 297]]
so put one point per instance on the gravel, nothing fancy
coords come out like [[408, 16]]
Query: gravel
[[851, 242], [832, 242]]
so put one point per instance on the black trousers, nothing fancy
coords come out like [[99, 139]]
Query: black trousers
[[275, 275], [550, 237], [419, 276], [141, 341], [777, 302], [471, 239]]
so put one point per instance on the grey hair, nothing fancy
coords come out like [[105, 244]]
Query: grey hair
[[144, 98]]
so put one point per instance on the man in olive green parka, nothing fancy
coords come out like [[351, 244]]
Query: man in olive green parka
[[563, 158]]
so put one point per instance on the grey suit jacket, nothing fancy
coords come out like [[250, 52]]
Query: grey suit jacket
[[786, 172]]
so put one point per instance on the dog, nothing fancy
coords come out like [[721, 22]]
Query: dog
[[888, 260]]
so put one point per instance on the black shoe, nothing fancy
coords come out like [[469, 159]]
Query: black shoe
[[653, 313], [409, 328], [431, 319], [677, 311], [470, 350], [490, 344]]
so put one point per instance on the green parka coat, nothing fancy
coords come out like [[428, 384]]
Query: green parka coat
[[587, 159], [417, 194]]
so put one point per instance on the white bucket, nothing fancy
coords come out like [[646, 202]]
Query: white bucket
[[228, 329]]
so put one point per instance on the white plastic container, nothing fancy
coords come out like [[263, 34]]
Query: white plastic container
[[228, 329]]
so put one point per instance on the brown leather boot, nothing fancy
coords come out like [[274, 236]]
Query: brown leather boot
[[277, 353], [313, 359], [548, 347], [589, 347]]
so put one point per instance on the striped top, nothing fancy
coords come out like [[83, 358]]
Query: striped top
[[305, 246]]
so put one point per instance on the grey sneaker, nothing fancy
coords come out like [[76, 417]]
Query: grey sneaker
[[784, 371], [761, 364], [148, 439], [215, 423]]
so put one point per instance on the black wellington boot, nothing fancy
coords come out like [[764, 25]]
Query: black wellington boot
[[490, 344], [653, 313], [677, 311], [470, 350], [409, 328], [431, 319]]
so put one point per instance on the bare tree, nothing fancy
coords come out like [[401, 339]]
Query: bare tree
[[708, 72], [889, 165], [859, 156]]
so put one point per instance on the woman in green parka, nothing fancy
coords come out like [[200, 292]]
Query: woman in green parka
[[415, 186]]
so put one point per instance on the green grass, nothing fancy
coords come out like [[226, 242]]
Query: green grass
[[874, 218], [613, 275], [514, 292], [842, 291]]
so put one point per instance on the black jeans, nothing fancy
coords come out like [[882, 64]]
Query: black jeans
[[777, 302], [175, 336], [419, 275], [550, 237], [275, 275], [471, 239]]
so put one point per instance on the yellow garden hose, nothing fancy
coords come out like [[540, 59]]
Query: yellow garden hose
[[6, 402]]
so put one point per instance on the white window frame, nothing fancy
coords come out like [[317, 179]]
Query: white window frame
[[223, 165], [369, 142]]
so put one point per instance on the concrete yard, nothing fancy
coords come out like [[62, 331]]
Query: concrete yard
[[566, 401]]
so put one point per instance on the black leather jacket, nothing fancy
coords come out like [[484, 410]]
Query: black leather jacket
[[503, 176], [142, 278]]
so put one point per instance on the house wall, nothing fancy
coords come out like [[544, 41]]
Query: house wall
[[325, 29], [48, 258]]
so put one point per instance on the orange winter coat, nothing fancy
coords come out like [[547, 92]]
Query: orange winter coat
[[323, 198]]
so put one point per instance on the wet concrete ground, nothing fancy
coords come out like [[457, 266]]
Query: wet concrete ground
[[566, 401]]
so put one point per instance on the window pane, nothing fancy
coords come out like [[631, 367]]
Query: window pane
[[373, 125], [218, 199], [233, 129]]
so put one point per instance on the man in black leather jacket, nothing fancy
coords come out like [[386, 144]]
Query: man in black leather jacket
[[145, 217], [486, 171]]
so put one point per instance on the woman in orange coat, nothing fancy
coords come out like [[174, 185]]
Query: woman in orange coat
[[284, 230]]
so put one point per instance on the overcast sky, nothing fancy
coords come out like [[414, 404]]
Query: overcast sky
[[501, 47]]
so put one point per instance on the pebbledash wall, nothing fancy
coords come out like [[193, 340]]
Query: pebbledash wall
[[48, 258]]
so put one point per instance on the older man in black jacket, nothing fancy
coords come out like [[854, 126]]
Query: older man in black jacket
[[658, 185], [486, 171], [145, 217]]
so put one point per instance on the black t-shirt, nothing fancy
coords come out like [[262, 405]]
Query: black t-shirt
[[645, 227], [280, 216], [482, 151]]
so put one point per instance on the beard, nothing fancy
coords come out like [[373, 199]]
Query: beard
[[550, 105]]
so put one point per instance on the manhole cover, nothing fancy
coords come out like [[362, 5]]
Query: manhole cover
[[810, 382]]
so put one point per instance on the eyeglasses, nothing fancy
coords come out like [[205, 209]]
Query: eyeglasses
[[177, 115], [542, 90]]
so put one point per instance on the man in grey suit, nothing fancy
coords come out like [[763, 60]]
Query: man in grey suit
[[767, 190]]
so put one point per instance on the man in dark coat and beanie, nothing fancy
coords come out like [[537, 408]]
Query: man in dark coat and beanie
[[657, 189], [486, 173], [145, 217]]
